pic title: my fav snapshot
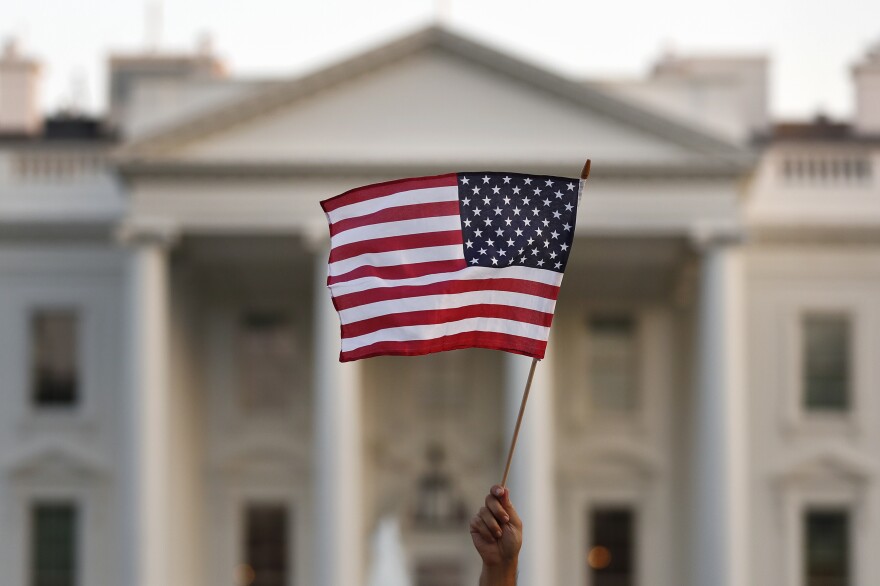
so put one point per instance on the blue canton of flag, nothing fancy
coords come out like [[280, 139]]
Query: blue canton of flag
[[511, 219]]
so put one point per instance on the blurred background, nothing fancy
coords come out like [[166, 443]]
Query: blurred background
[[172, 410]]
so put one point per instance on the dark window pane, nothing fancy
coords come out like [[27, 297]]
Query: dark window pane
[[827, 548], [53, 534], [439, 573], [54, 360], [267, 546], [612, 363], [611, 558], [826, 362]]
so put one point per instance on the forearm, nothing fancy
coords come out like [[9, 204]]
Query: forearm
[[501, 575]]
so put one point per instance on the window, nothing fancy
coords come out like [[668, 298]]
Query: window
[[612, 363], [826, 362], [437, 504], [268, 359], [611, 558], [441, 381], [827, 548], [267, 545], [54, 359], [53, 532], [439, 573]]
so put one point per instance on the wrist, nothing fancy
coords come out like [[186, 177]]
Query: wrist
[[503, 574]]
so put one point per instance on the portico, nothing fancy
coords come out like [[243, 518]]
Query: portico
[[229, 245], [353, 440]]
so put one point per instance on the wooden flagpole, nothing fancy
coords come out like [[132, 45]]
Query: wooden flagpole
[[585, 173]]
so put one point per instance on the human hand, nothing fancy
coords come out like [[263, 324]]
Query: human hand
[[497, 532]]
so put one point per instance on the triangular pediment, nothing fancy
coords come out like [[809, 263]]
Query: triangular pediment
[[828, 463], [264, 454], [615, 458], [54, 457], [436, 98]]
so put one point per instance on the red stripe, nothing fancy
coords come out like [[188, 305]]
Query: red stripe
[[493, 341], [375, 190], [350, 300], [409, 271], [396, 214], [390, 243], [439, 316]]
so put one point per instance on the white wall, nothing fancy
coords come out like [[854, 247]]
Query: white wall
[[797, 458], [61, 455]]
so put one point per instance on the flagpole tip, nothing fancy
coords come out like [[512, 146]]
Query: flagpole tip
[[586, 172]]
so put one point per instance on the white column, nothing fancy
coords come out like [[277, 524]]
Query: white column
[[532, 473], [338, 442], [146, 512], [719, 556]]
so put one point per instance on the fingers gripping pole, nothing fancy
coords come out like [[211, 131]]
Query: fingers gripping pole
[[519, 418]]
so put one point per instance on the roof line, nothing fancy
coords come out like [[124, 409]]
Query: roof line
[[283, 93], [586, 94]]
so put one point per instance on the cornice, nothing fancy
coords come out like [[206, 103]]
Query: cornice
[[848, 234], [150, 231], [705, 236], [156, 167]]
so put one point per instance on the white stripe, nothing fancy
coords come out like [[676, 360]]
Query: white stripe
[[449, 301], [397, 257], [401, 198], [399, 228], [466, 274], [429, 332]]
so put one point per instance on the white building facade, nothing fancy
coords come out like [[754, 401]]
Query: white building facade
[[173, 411]]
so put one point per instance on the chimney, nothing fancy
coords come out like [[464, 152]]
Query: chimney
[[19, 92], [867, 89], [127, 72]]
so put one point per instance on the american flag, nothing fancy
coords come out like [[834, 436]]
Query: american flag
[[452, 261]]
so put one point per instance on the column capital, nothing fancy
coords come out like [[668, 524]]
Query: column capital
[[704, 236], [316, 236], [157, 231]]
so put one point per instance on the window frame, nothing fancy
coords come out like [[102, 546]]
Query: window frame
[[584, 411], [88, 498], [641, 497], [795, 417], [637, 348], [77, 537], [590, 527], [811, 411], [802, 494], [255, 484], [79, 344], [805, 536], [294, 387], [658, 363], [89, 278], [290, 533], [221, 329], [99, 350]]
